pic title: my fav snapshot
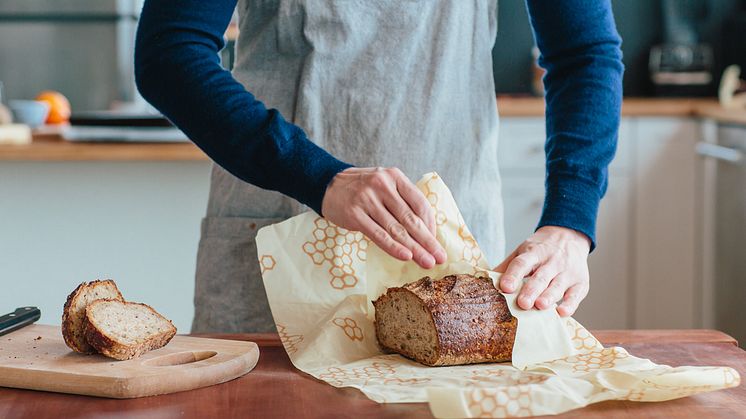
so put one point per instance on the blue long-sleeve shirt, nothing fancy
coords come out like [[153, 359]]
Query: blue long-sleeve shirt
[[178, 71]]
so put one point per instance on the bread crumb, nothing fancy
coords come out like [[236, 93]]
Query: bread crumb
[[38, 338]]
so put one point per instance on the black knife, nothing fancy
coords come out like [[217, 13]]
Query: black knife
[[23, 316]]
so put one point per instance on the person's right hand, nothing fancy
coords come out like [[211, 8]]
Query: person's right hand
[[385, 206]]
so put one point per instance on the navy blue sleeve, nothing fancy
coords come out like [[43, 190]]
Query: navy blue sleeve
[[177, 69], [580, 50]]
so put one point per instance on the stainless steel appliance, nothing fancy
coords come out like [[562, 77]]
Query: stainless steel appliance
[[724, 237], [82, 48]]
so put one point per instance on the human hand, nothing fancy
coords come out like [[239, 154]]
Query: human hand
[[555, 260], [385, 206]]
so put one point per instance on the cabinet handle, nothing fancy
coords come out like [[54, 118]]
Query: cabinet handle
[[719, 152]]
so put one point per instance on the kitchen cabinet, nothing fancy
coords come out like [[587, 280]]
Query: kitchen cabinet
[[68, 222], [666, 223], [723, 153], [643, 273]]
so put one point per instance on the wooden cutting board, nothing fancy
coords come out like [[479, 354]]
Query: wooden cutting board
[[36, 357]]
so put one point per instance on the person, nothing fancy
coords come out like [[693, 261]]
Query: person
[[335, 105]]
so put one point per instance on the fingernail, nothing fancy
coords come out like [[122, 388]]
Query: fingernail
[[440, 256], [507, 285], [524, 303], [428, 261], [542, 303], [405, 254]]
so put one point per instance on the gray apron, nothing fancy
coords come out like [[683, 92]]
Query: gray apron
[[404, 83]]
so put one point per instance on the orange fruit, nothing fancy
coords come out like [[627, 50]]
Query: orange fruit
[[59, 106]]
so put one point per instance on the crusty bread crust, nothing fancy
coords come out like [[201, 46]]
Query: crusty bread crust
[[73, 331], [471, 319], [111, 347]]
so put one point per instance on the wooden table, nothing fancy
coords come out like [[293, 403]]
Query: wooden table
[[275, 389]]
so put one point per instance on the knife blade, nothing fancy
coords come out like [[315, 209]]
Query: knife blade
[[22, 316]]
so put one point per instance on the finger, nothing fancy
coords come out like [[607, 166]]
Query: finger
[[535, 285], [399, 233], [382, 239], [415, 226], [573, 296], [554, 292], [415, 199], [506, 284], [518, 268]]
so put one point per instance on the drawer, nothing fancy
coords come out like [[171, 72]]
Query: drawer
[[523, 199], [522, 145]]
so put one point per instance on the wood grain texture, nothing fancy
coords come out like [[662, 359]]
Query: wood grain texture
[[54, 149], [663, 336], [36, 357], [720, 114], [534, 106], [275, 389]]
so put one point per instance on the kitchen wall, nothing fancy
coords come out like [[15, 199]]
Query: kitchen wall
[[24, 66], [638, 22]]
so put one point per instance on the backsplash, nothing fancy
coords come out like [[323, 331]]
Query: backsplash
[[639, 23]]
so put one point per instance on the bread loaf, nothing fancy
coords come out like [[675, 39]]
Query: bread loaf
[[124, 330], [73, 313], [458, 319]]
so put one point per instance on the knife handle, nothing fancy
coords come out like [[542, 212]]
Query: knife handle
[[23, 316]]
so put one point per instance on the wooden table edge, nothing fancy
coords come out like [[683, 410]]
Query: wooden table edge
[[607, 337]]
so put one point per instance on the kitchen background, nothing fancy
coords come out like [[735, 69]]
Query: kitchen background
[[671, 229]]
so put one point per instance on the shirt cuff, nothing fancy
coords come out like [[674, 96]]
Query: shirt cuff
[[571, 202], [303, 169], [318, 179]]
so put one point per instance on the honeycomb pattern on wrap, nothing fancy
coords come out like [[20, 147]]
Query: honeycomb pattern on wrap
[[350, 328], [336, 246], [501, 403]]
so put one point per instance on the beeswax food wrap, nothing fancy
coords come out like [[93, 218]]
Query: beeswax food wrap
[[320, 280]]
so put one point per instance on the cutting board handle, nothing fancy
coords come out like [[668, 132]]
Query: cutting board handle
[[179, 358]]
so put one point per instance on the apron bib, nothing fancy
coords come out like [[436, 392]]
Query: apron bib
[[404, 83]]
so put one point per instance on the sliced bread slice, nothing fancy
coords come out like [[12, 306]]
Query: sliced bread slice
[[124, 330], [73, 313]]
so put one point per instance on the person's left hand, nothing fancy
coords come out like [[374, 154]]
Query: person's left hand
[[555, 262]]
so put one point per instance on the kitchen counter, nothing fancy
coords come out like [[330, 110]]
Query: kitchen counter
[[54, 149], [276, 389], [691, 107], [47, 148]]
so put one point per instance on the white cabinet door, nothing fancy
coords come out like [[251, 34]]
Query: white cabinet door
[[523, 198], [521, 159], [646, 271], [608, 304], [666, 222], [522, 145]]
